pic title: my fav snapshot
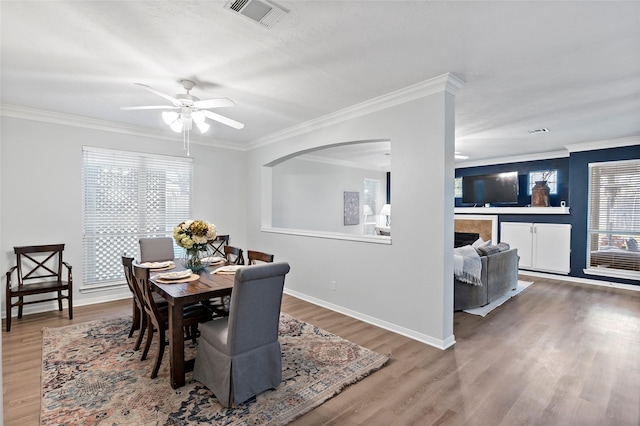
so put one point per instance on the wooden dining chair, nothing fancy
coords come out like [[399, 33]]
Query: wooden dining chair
[[218, 245], [139, 314], [158, 318], [138, 309], [255, 257], [39, 270], [156, 249], [234, 255]]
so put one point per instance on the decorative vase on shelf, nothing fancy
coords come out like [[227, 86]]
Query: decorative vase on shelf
[[196, 258], [540, 194]]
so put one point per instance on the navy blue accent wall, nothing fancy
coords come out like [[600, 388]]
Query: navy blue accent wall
[[388, 187], [578, 182], [573, 181], [523, 169]]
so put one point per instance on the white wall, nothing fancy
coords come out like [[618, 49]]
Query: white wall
[[405, 286], [309, 195], [41, 190]]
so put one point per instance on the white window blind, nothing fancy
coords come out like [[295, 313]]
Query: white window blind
[[128, 195], [614, 217]]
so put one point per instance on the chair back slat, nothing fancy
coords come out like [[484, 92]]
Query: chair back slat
[[255, 257], [233, 255]]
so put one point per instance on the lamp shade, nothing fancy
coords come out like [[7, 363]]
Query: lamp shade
[[169, 117], [367, 210], [386, 210]]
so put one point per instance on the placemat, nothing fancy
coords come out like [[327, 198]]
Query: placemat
[[193, 277]]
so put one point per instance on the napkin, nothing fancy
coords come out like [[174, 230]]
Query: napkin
[[214, 259], [157, 265], [229, 269]]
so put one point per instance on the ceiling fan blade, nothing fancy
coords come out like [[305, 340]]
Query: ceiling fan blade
[[214, 103], [222, 119], [133, 108], [152, 90]]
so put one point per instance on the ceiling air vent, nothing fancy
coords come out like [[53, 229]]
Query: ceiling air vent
[[264, 12], [534, 131]]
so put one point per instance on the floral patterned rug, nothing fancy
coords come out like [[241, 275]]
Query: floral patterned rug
[[92, 376]]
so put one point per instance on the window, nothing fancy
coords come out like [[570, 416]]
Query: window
[[457, 188], [370, 205], [128, 195], [551, 176], [614, 218]]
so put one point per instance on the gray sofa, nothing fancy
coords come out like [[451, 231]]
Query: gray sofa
[[499, 275]]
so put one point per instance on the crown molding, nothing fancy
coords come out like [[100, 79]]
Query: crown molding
[[604, 144], [44, 116], [444, 83]]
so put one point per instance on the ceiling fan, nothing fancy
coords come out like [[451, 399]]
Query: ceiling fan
[[191, 109]]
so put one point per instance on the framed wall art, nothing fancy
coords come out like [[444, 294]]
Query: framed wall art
[[351, 208]]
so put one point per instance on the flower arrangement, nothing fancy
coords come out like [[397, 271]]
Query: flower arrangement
[[194, 236]]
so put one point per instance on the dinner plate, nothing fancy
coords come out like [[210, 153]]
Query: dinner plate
[[214, 260], [158, 265], [176, 275], [229, 269]]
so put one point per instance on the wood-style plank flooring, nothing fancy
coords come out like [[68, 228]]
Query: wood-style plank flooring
[[557, 354]]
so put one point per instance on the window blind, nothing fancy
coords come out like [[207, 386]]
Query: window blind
[[614, 216], [128, 195]]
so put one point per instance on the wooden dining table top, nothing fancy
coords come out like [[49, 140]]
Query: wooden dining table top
[[208, 285]]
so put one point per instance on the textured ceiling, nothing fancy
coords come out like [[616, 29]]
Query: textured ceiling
[[573, 67]]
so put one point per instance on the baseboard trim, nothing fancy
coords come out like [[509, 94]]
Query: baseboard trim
[[412, 334], [580, 280]]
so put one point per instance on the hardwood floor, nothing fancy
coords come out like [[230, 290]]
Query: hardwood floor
[[557, 354]]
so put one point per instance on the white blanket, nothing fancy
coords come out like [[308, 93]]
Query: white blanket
[[467, 266]]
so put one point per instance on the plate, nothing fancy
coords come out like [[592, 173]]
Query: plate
[[158, 265], [214, 260], [176, 275], [230, 269]]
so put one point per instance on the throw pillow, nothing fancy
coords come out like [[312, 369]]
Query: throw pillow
[[480, 243], [503, 246], [488, 250]]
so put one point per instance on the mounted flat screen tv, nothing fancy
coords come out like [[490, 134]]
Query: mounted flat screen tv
[[498, 188]]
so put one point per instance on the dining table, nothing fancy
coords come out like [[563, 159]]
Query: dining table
[[179, 294]]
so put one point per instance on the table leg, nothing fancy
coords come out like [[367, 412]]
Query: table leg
[[176, 346]]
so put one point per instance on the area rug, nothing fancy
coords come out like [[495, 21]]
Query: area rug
[[91, 376], [484, 310]]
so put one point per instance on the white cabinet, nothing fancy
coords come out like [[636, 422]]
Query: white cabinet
[[541, 246]]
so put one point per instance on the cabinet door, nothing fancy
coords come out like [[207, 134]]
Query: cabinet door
[[518, 235], [552, 247]]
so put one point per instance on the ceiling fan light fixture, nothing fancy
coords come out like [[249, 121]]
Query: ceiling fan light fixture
[[169, 117], [203, 127], [198, 117], [176, 126]]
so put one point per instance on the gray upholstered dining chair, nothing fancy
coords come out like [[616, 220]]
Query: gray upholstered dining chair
[[156, 249], [239, 356]]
